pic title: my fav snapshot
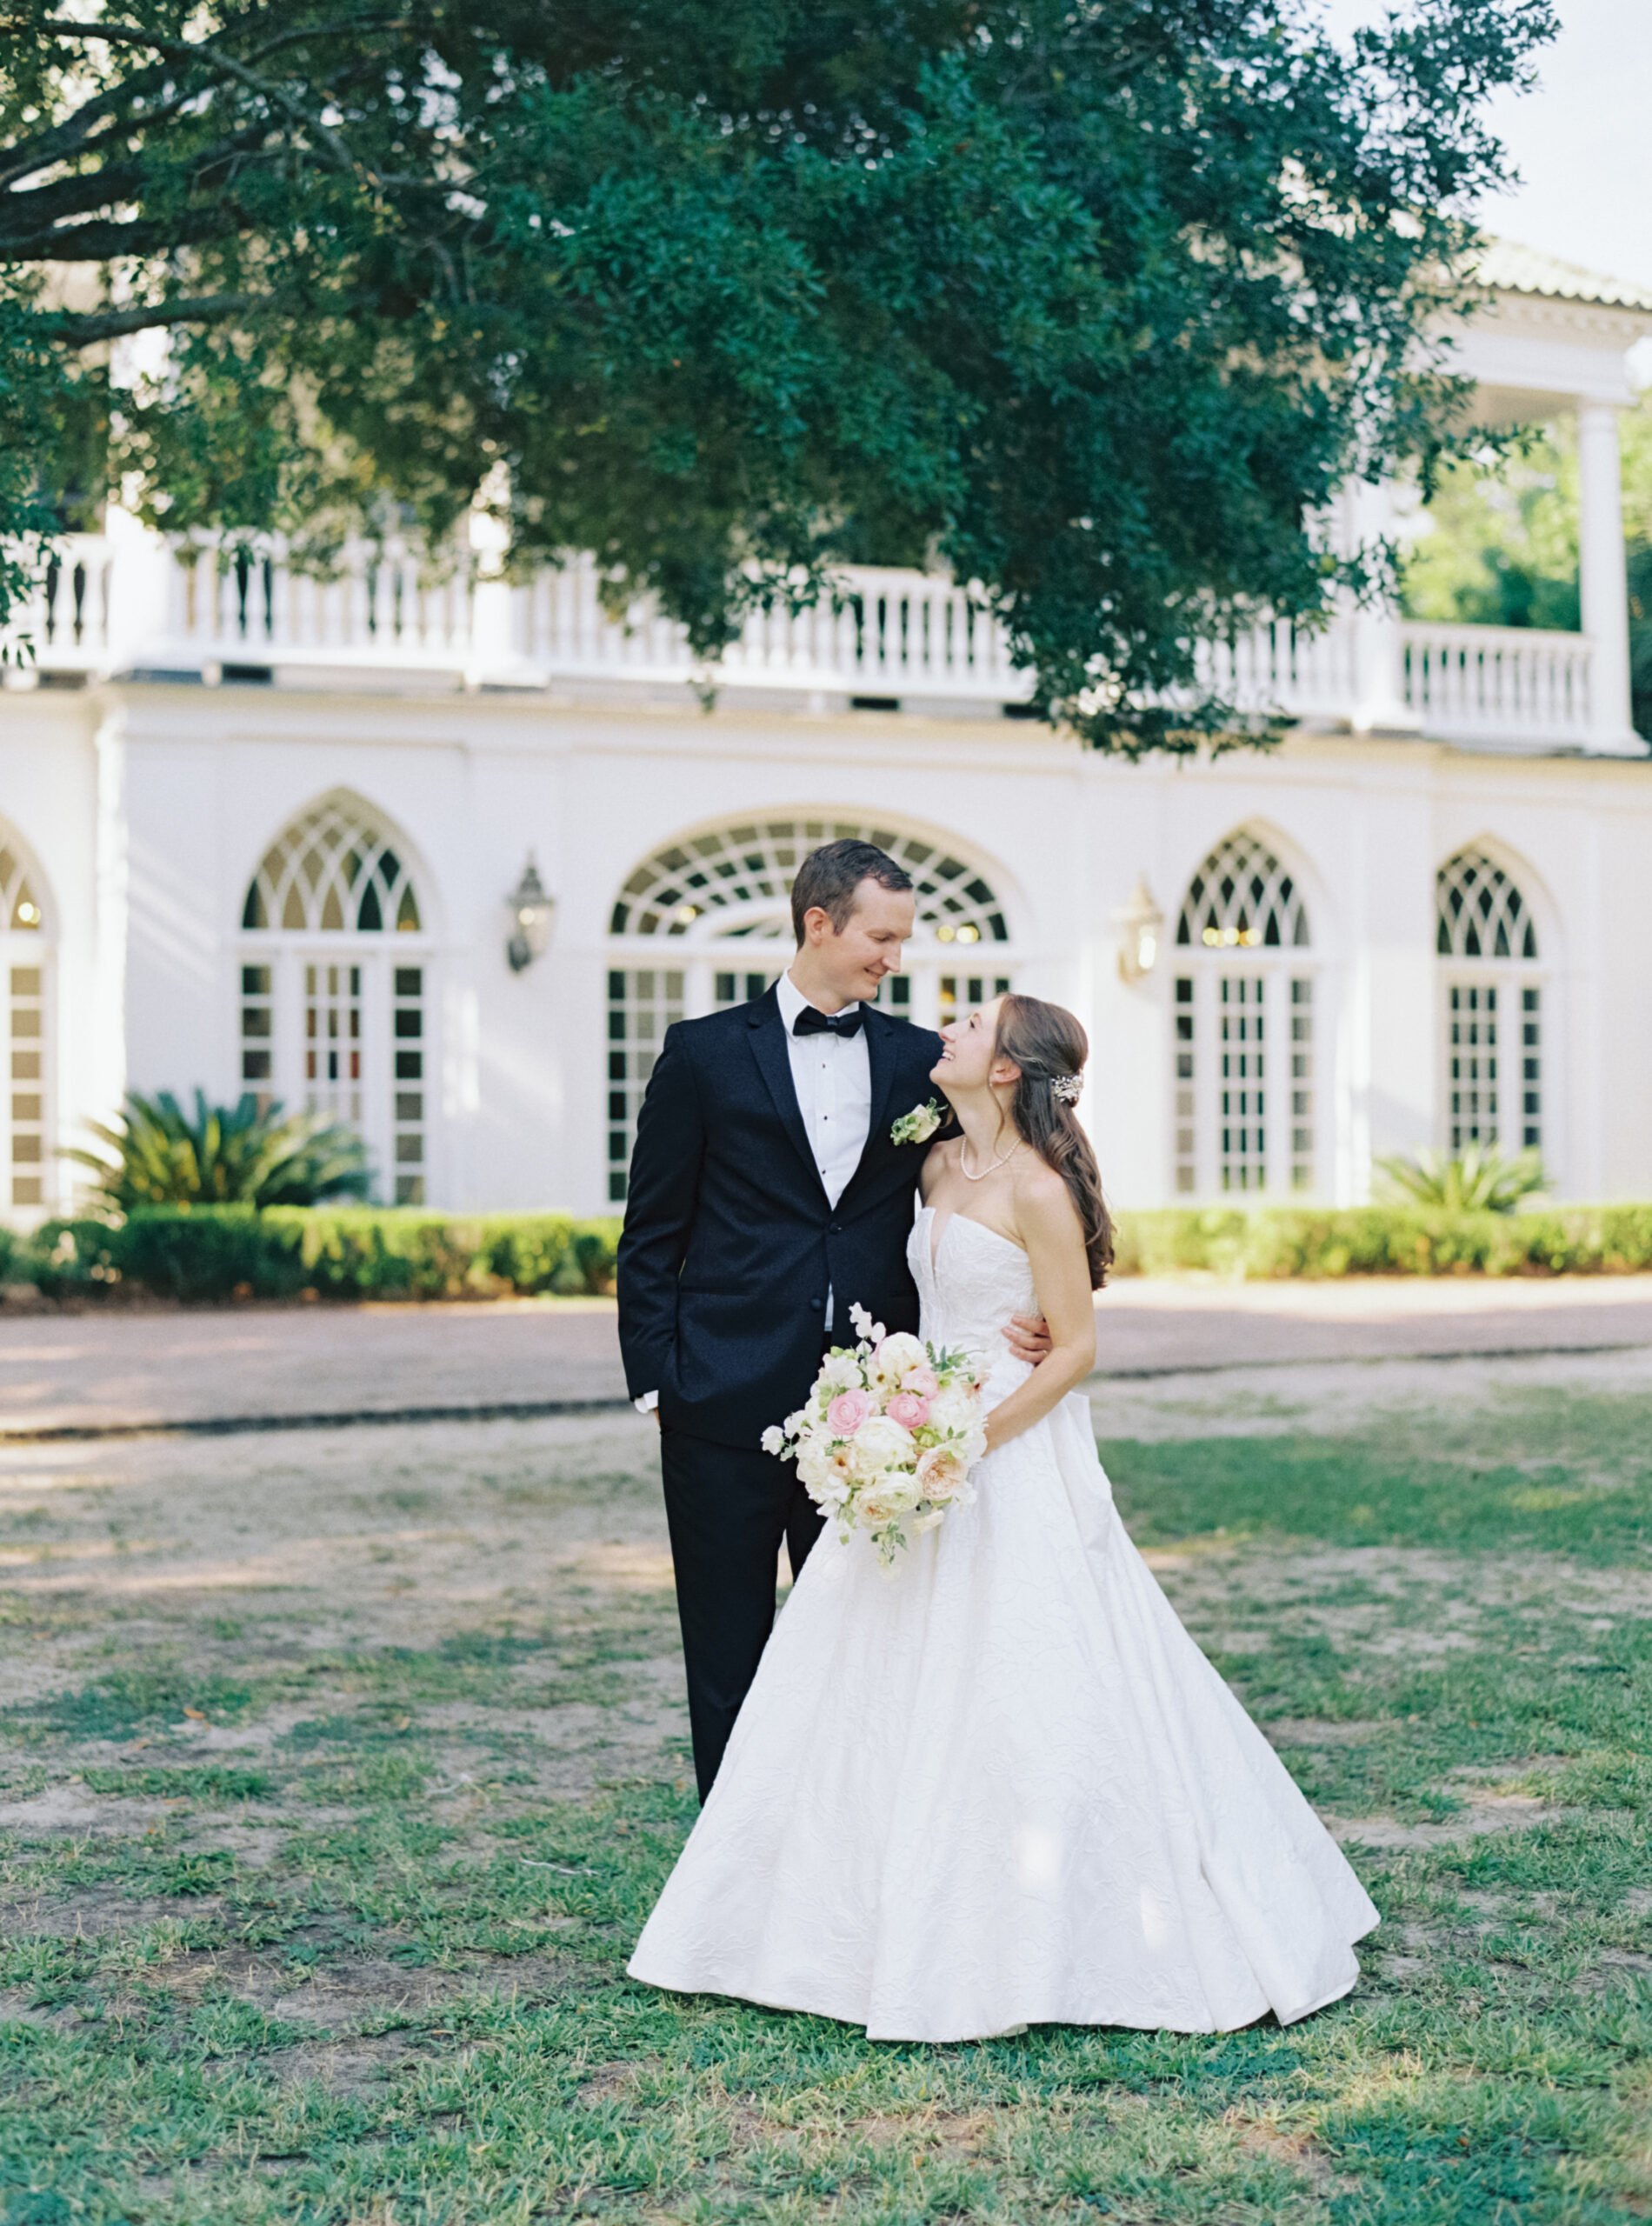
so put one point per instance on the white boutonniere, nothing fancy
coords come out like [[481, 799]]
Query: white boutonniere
[[917, 1126]]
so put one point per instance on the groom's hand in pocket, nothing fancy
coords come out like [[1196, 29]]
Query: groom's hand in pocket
[[1028, 1337]]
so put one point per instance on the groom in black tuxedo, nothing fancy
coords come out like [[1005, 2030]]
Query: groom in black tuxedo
[[766, 1198]]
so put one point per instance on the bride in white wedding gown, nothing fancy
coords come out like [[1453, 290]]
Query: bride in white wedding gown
[[1003, 1787]]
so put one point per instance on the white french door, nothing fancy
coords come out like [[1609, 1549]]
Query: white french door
[[334, 1029], [1245, 1098]]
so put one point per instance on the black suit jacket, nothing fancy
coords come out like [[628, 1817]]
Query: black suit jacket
[[730, 1247]]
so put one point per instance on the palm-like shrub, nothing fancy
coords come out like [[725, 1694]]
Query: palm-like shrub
[[239, 1154], [1479, 1180]]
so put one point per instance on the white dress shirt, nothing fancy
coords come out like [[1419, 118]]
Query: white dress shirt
[[832, 1076]]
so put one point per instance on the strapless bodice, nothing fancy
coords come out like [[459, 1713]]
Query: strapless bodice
[[970, 1285]]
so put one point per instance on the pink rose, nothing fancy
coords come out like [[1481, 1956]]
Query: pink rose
[[939, 1473], [906, 1408], [847, 1412], [921, 1382]]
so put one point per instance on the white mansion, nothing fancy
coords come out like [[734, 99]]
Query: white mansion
[[261, 833]]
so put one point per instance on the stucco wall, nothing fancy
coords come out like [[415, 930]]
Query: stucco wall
[[148, 809]]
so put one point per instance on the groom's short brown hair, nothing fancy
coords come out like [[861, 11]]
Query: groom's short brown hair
[[829, 878]]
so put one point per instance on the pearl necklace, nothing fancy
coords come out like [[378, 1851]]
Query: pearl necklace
[[964, 1146]]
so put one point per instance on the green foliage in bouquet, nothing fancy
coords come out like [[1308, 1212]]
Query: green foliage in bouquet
[[240, 1154]]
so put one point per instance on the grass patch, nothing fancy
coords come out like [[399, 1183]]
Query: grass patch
[[1591, 1499], [355, 1961]]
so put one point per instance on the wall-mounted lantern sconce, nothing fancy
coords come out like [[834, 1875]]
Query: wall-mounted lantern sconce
[[1138, 926], [532, 909]]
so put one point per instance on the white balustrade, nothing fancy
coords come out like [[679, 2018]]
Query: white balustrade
[[125, 601], [66, 621], [245, 606], [1279, 667], [1508, 684], [886, 633]]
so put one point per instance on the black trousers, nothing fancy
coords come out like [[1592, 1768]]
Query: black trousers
[[728, 1511]]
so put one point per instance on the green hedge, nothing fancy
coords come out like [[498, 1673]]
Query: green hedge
[[357, 1252], [350, 1252], [1275, 1242]]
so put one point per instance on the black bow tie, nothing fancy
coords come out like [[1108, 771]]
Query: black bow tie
[[810, 1023]]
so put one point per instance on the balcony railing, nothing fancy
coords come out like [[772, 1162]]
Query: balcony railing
[[125, 603], [883, 633], [240, 606], [68, 620], [1498, 683], [1284, 668]]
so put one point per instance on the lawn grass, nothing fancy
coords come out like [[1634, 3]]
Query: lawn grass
[[336, 1951]]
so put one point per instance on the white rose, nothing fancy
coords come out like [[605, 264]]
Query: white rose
[[955, 1410], [887, 1501], [841, 1371], [816, 1468], [896, 1356], [773, 1439], [880, 1444]]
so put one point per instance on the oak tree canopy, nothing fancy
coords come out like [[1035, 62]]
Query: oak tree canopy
[[1095, 301]]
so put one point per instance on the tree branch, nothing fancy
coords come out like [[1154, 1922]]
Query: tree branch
[[104, 239], [301, 31], [74, 196], [61, 142], [224, 65], [82, 329], [71, 137], [121, 181]]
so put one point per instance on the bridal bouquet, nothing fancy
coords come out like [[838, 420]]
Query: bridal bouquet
[[886, 1439]]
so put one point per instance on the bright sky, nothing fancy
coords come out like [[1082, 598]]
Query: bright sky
[[1581, 141]]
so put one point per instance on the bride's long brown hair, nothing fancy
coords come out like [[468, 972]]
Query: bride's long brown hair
[[1047, 1044]]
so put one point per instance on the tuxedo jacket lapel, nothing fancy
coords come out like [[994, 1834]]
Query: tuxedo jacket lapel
[[768, 1041], [883, 1052], [883, 1059]]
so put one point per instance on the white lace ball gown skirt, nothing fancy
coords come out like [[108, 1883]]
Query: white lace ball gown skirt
[[1002, 1788]]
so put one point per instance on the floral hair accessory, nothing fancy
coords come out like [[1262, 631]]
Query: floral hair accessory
[[1066, 1088]]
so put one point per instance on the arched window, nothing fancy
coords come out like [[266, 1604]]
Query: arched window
[[706, 923], [1242, 992], [331, 871], [23, 1124], [335, 985], [1493, 999]]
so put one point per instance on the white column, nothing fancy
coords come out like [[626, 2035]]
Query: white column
[[1378, 705], [1603, 579], [489, 655]]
